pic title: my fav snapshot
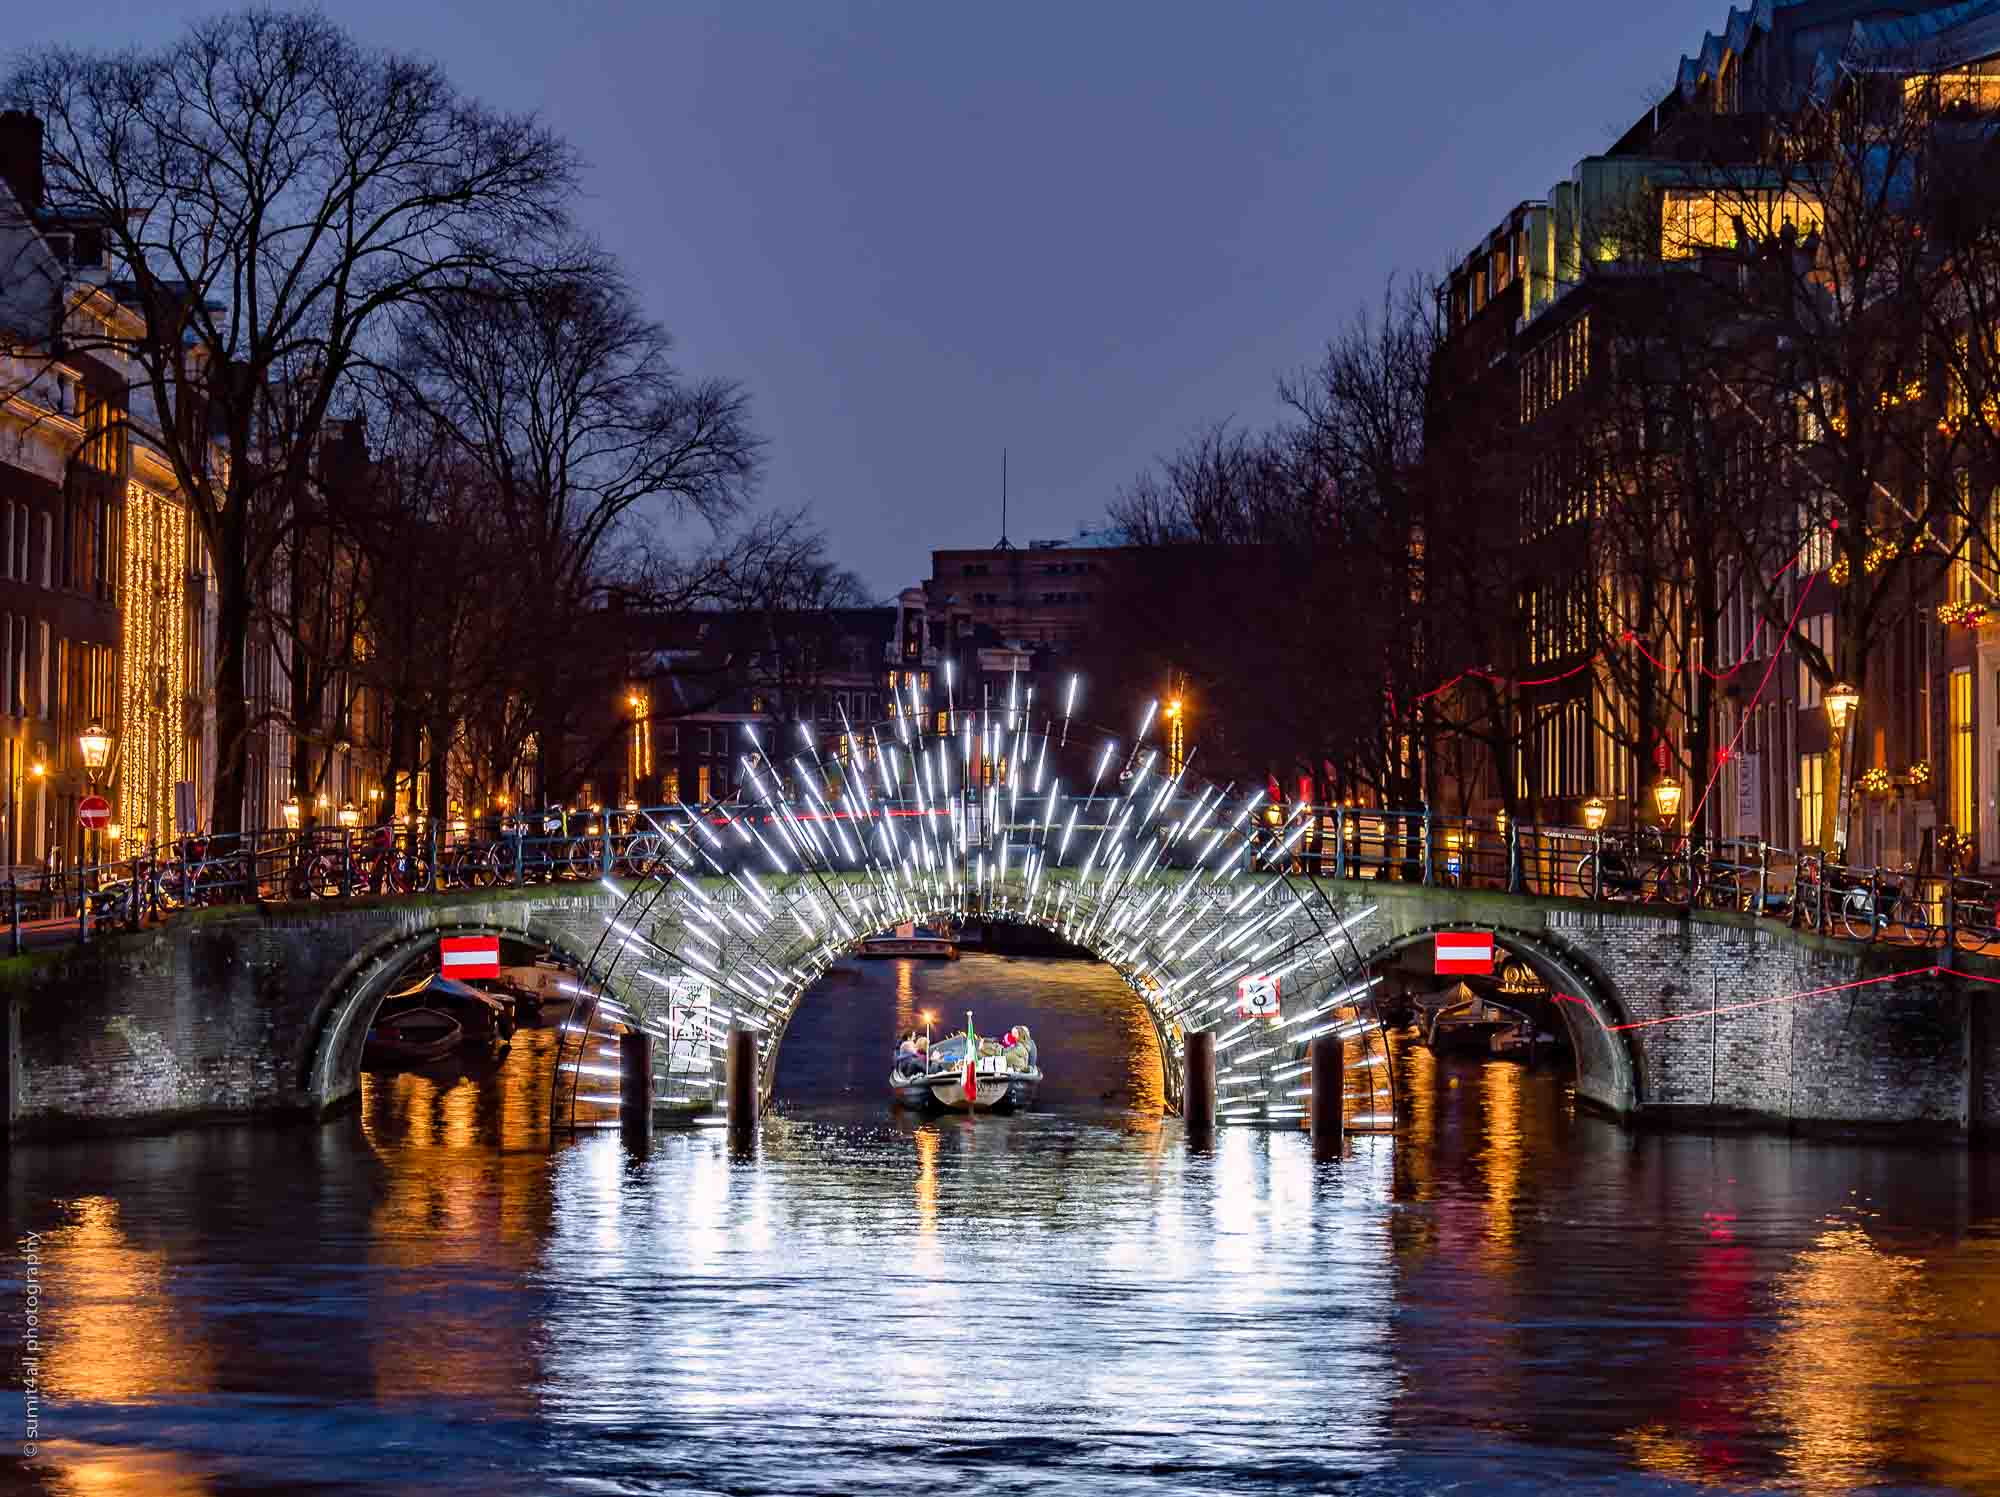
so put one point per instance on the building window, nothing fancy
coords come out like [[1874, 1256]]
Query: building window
[[670, 786], [1964, 815], [1819, 630], [701, 784], [1812, 797]]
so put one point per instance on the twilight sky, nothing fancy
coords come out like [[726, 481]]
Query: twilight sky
[[922, 230]]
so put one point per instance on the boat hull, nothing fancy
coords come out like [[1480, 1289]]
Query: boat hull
[[1008, 1093], [909, 946]]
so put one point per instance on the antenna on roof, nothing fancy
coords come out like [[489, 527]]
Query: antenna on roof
[[1005, 544]]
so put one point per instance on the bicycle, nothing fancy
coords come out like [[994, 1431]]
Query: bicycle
[[1866, 909]]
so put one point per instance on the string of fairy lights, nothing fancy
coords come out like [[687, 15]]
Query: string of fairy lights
[[948, 811], [153, 746]]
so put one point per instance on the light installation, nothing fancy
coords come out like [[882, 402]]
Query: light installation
[[153, 753], [940, 812]]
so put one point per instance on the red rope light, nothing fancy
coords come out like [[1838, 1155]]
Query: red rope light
[[1735, 1008]]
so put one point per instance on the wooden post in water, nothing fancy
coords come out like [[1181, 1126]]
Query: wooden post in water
[[742, 1084], [1198, 1081], [635, 1086], [1328, 1086]]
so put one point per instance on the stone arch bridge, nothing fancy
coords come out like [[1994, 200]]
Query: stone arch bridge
[[260, 1010]]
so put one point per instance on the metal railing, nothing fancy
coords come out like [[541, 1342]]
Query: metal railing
[[1421, 846]]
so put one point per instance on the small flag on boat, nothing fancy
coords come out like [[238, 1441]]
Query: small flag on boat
[[469, 956], [970, 1081], [1463, 951]]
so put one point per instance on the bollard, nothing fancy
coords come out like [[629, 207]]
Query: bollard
[[742, 1084], [1198, 1081], [635, 1086], [1327, 1089]]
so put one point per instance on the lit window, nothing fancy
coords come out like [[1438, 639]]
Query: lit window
[[1963, 813], [1812, 797]]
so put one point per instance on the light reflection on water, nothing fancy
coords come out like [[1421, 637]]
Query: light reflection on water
[[423, 1297]]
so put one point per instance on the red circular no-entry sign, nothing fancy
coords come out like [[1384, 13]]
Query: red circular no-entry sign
[[94, 811]]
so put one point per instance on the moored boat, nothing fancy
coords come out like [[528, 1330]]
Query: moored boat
[[414, 1037], [909, 939], [1006, 1072], [486, 1017], [1470, 1026]]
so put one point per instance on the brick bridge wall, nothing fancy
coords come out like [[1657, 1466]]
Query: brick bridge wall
[[261, 1011]]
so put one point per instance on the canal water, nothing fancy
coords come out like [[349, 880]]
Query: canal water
[[424, 1297]]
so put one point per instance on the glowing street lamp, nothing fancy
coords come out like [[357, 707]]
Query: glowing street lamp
[[350, 815], [1841, 700], [96, 746], [1594, 812], [291, 812], [1667, 798]]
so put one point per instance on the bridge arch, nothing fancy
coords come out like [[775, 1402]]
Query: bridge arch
[[330, 1067], [1608, 1075], [943, 811]]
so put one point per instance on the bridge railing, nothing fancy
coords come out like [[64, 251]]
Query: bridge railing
[[1419, 845]]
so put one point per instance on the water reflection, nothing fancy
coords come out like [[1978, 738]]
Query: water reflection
[[424, 1296]]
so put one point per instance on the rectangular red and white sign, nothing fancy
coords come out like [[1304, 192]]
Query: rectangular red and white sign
[[1462, 951], [469, 956], [1257, 997]]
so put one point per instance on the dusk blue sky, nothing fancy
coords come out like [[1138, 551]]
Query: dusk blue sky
[[919, 232]]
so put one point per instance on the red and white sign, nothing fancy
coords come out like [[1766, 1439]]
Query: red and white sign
[[94, 811], [1462, 951], [470, 956], [1257, 997]]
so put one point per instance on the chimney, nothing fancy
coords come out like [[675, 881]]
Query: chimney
[[21, 158]]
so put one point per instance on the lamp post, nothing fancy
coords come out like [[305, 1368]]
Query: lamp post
[[95, 746], [1667, 799], [350, 815], [292, 812], [1176, 735], [1842, 700], [1594, 814]]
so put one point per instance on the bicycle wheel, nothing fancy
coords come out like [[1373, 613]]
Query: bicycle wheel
[[1670, 883], [322, 878], [1914, 918], [1721, 890], [1857, 914]]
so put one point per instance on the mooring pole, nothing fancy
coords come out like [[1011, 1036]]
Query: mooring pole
[[742, 1084], [635, 1085], [1328, 1086], [1198, 1082]]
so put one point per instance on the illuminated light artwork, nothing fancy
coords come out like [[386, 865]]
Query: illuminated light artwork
[[941, 812]]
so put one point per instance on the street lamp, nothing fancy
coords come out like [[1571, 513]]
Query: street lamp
[[1841, 702], [291, 812], [1594, 812], [1667, 798], [114, 831], [96, 746], [350, 815]]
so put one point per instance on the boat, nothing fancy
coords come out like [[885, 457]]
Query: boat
[[486, 1017], [1470, 1025], [1008, 1073], [414, 1037], [909, 939]]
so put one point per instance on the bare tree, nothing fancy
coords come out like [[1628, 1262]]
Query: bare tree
[[564, 396], [267, 190]]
